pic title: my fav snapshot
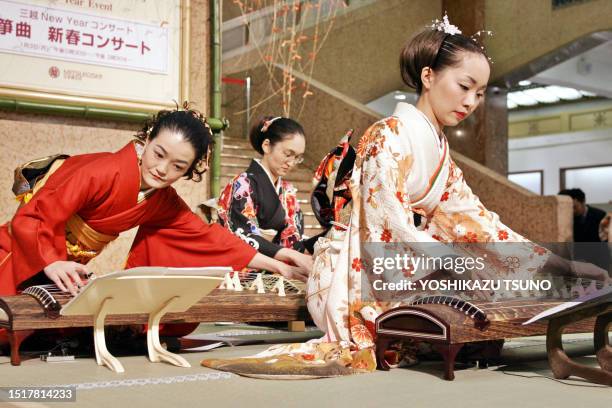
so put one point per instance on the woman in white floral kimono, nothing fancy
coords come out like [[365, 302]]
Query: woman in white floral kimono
[[403, 166]]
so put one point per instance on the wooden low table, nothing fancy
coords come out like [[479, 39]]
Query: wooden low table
[[449, 323]]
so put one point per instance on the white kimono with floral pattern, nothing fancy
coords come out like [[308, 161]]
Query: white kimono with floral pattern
[[402, 167]]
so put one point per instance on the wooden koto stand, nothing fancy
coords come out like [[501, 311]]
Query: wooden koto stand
[[150, 304], [448, 323]]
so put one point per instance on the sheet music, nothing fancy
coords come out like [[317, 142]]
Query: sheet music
[[599, 296], [214, 271], [137, 290]]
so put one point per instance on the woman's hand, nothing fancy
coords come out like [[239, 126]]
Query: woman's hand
[[260, 261], [295, 258], [67, 275], [591, 271], [557, 265], [294, 272]]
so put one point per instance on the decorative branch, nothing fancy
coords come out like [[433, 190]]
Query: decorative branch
[[290, 42]]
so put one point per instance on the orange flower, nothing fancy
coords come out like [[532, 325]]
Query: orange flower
[[471, 237], [354, 321], [361, 336], [392, 124], [308, 357], [539, 250], [374, 151], [371, 137], [386, 235], [444, 196], [357, 265], [363, 145], [502, 235], [249, 212], [400, 196]]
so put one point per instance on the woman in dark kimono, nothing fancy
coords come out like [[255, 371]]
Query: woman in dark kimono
[[260, 206]]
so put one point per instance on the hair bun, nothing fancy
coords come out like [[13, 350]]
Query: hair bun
[[273, 128], [436, 49]]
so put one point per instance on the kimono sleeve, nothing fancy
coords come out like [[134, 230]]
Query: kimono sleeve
[[386, 166], [292, 235], [462, 217], [174, 236], [242, 216], [386, 163], [38, 229]]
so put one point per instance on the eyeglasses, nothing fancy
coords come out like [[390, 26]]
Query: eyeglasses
[[292, 158]]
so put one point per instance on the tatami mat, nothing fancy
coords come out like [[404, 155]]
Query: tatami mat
[[519, 381]]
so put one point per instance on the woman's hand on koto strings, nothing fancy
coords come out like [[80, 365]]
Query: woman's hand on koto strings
[[296, 258], [67, 275]]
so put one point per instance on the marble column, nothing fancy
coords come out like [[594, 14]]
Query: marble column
[[483, 136]]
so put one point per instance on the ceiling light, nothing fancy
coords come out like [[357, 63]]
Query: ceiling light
[[399, 97], [542, 95], [524, 82], [562, 92], [522, 99]]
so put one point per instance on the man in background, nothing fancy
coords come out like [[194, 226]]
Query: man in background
[[586, 218], [587, 222]]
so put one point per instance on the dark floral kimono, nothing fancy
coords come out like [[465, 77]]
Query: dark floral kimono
[[266, 216]]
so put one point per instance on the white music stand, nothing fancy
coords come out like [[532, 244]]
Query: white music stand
[[152, 290]]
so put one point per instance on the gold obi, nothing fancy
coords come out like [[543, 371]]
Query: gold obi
[[83, 243]]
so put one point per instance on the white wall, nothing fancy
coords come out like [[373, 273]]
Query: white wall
[[385, 105], [552, 152]]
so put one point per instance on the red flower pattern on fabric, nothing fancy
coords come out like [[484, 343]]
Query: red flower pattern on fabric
[[471, 237], [502, 235], [539, 250]]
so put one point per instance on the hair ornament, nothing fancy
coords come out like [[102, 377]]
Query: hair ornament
[[186, 107], [480, 33], [445, 26], [268, 123]]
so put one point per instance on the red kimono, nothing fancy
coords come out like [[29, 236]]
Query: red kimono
[[102, 189]]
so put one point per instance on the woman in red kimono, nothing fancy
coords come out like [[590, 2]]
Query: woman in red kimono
[[73, 207]]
